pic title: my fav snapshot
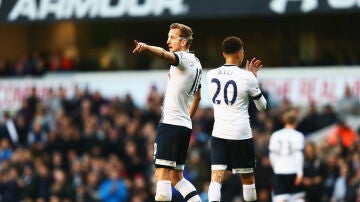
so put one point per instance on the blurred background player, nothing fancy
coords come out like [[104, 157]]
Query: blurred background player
[[232, 144], [286, 157], [180, 103]]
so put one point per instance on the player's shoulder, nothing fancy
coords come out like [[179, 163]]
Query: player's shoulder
[[249, 75], [184, 54], [276, 134], [299, 134], [212, 72], [243, 74]]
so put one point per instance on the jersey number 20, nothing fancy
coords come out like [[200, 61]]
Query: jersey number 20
[[226, 96]]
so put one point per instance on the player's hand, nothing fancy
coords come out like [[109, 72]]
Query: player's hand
[[253, 66], [139, 47], [298, 180]]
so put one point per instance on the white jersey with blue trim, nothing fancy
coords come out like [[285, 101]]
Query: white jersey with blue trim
[[285, 146], [230, 88], [184, 78]]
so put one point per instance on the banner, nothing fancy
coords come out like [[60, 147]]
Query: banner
[[300, 86], [59, 10]]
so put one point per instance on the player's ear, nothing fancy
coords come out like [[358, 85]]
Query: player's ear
[[241, 54], [183, 42]]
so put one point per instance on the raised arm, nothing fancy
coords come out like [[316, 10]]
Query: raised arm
[[154, 50], [253, 66]]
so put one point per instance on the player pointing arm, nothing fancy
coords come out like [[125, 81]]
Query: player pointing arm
[[181, 100]]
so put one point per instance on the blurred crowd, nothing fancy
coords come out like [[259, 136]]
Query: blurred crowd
[[89, 148]]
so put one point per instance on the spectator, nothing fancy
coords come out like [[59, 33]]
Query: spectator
[[341, 183], [5, 150], [349, 104], [342, 135], [42, 182], [310, 122], [22, 127], [8, 130], [313, 170], [60, 188], [331, 173], [32, 101], [37, 137], [328, 116], [10, 185], [113, 188]]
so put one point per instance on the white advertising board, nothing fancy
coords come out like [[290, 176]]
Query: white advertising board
[[299, 85]]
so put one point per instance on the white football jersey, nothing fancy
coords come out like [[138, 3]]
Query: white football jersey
[[183, 82], [231, 88], [284, 145]]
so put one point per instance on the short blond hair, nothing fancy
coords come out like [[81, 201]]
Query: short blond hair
[[290, 117]]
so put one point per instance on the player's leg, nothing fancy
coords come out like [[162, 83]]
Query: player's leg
[[163, 184], [298, 197], [165, 153], [243, 160], [217, 178], [298, 193], [185, 187], [282, 198], [220, 151], [249, 190], [283, 187]]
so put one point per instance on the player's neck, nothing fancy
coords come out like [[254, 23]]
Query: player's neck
[[184, 49], [232, 61], [290, 126]]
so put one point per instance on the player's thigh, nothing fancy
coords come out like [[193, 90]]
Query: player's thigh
[[243, 156], [218, 176], [183, 140], [247, 178], [284, 185], [281, 198], [219, 153], [162, 173], [171, 144]]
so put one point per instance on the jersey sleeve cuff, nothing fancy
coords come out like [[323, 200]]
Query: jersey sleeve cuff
[[257, 97], [176, 63]]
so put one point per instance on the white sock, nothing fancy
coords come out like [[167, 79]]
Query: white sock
[[214, 192], [163, 190], [249, 192], [187, 190]]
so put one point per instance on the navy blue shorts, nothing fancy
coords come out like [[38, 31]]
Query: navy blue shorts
[[171, 146], [236, 155], [284, 184]]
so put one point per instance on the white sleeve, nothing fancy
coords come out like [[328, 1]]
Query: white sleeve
[[273, 150], [273, 158], [274, 145], [255, 93], [181, 60], [298, 147], [299, 160], [261, 103]]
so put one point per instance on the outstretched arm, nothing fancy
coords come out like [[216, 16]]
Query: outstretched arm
[[154, 50]]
